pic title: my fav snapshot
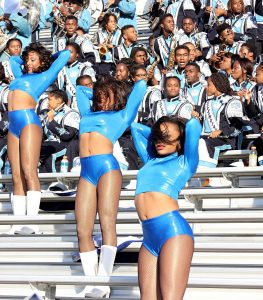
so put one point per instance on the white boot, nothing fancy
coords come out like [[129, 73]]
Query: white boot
[[33, 202], [32, 208], [19, 209], [107, 258], [89, 261], [18, 205]]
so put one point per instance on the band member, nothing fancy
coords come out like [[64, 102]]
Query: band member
[[170, 155], [88, 52], [194, 88], [218, 133], [130, 37], [108, 37], [180, 9], [164, 43], [243, 25], [13, 47], [227, 43], [175, 104], [25, 130], [190, 33], [60, 124], [68, 75]]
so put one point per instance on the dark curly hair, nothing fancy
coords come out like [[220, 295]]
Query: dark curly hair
[[106, 19], [158, 135], [45, 56], [106, 84]]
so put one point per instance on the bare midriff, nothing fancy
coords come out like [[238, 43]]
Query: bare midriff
[[18, 100], [154, 204], [94, 143]]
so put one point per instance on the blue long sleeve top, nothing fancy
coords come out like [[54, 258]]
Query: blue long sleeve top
[[168, 174], [110, 124], [35, 84]]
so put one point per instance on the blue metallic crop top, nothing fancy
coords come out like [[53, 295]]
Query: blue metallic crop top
[[35, 84], [110, 124], [168, 174]]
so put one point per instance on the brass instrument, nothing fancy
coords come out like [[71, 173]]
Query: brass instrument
[[171, 59], [32, 7], [216, 64], [154, 64], [103, 49]]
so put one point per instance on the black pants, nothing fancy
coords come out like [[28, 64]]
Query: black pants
[[129, 151]]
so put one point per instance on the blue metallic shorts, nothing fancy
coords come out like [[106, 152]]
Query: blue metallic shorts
[[158, 230], [18, 119], [93, 167]]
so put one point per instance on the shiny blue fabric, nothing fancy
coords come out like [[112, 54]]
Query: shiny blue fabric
[[35, 84], [168, 174], [93, 167], [111, 124], [157, 230], [18, 119]]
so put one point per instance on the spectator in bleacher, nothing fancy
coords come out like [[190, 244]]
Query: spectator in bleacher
[[174, 103], [68, 75], [60, 124], [218, 133], [100, 179], [25, 130], [130, 37], [170, 155], [87, 50]]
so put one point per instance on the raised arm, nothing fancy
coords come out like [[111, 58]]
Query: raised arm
[[192, 135], [134, 100], [141, 138], [61, 59], [16, 63], [84, 96]]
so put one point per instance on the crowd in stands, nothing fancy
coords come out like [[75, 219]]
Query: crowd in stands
[[203, 59]]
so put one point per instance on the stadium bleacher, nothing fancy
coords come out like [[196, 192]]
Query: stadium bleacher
[[227, 224]]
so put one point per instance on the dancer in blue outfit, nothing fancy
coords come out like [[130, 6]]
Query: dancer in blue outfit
[[100, 179], [25, 131], [170, 153]]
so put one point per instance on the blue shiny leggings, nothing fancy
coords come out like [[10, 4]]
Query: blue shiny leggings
[[18, 119], [93, 167], [157, 230]]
